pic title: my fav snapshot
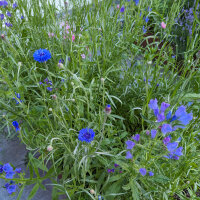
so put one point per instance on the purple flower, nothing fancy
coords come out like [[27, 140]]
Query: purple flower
[[166, 128], [111, 170], [151, 173], [180, 111], [186, 118], [147, 132], [153, 104], [1, 169], [130, 144], [161, 117], [129, 155], [2, 16], [153, 133], [136, 137], [166, 140], [116, 165], [146, 19], [3, 3], [172, 146], [22, 17], [14, 5], [8, 14], [49, 89], [143, 171], [8, 24], [122, 9], [169, 115], [164, 106]]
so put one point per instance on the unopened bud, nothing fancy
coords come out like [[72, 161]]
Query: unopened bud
[[20, 64], [49, 148], [60, 65], [92, 191], [50, 109], [108, 109], [54, 97], [3, 36], [102, 80], [149, 62]]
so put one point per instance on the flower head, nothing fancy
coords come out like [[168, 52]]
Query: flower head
[[83, 56], [3, 3], [2, 16], [86, 135], [10, 174], [14, 5], [7, 168], [166, 128], [136, 137], [166, 140], [18, 170], [130, 144], [143, 171], [151, 173], [129, 155], [153, 104], [41, 55], [16, 125], [136, 2], [122, 9], [8, 14], [163, 25], [49, 148], [153, 133], [11, 189]]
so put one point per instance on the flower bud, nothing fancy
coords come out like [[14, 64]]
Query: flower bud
[[108, 109], [54, 96], [60, 65], [102, 80], [50, 109], [49, 148], [2, 36], [92, 191]]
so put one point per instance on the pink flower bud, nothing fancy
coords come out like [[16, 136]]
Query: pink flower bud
[[83, 56], [54, 97], [73, 37], [117, 6], [163, 25], [49, 148]]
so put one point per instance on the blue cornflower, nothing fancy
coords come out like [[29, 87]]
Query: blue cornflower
[[153, 133], [151, 173], [2, 16], [129, 155], [86, 135], [130, 144], [122, 9], [3, 3], [7, 168], [136, 137], [8, 14], [11, 189], [14, 5], [42, 55], [166, 128], [16, 125], [143, 171]]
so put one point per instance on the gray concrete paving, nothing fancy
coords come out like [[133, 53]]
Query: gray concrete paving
[[13, 151]]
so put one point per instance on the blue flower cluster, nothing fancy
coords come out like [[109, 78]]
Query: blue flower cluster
[[143, 172], [47, 83], [86, 135], [3, 3], [16, 125], [174, 151], [9, 173], [42, 55]]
